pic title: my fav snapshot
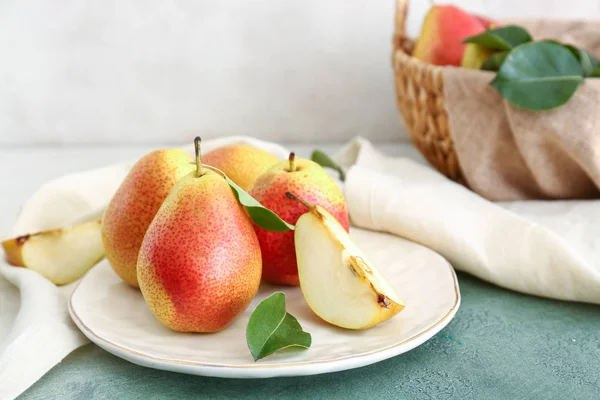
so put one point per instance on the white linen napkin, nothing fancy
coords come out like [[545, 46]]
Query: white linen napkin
[[547, 249], [542, 248]]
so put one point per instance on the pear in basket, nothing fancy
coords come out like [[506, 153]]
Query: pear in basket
[[444, 28]]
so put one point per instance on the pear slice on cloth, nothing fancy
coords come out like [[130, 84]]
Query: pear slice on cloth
[[61, 255]]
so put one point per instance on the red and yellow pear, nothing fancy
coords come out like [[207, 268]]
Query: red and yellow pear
[[242, 163], [199, 265], [443, 30], [134, 205], [309, 180]]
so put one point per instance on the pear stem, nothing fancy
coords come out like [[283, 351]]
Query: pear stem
[[292, 159], [304, 203], [199, 170]]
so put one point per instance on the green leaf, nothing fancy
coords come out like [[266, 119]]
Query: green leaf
[[494, 62], [324, 160], [588, 62], [259, 214], [271, 328], [503, 38], [595, 72], [539, 76]]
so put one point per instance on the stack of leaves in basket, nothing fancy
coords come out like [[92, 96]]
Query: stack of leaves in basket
[[198, 236], [532, 74]]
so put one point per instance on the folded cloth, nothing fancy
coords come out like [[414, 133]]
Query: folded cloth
[[42, 332], [541, 248], [507, 153]]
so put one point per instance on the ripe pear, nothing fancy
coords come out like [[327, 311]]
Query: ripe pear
[[199, 265], [475, 55], [241, 162], [134, 205], [60, 255], [485, 21], [444, 28], [338, 281], [310, 181]]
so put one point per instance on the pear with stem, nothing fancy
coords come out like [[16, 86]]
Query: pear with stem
[[199, 264], [312, 182]]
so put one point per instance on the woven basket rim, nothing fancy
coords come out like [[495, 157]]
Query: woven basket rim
[[420, 100]]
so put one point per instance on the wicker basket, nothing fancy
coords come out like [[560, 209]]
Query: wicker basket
[[420, 98]]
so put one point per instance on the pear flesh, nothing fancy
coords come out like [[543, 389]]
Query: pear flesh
[[338, 282], [61, 255]]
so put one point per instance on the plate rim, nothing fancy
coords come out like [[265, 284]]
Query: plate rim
[[270, 370]]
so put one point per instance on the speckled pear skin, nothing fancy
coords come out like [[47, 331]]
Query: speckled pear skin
[[134, 205], [200, 265], [312, 184], [241, 162]]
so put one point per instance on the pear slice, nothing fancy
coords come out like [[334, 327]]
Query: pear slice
[[339, 283], [61, 255]]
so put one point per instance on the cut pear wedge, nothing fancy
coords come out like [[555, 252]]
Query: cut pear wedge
[[339, 283], [61, 255]]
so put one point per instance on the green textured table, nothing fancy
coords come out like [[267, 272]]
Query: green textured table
[[500, 345]]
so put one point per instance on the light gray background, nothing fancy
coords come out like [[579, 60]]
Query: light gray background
[[133, 71]]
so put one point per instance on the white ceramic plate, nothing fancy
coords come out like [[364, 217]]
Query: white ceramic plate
[[115, 317]]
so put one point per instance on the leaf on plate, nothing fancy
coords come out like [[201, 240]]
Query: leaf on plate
[[259, 214], [539, 76], [271, 328], [503, 38], [324, 160], [494, 62]]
